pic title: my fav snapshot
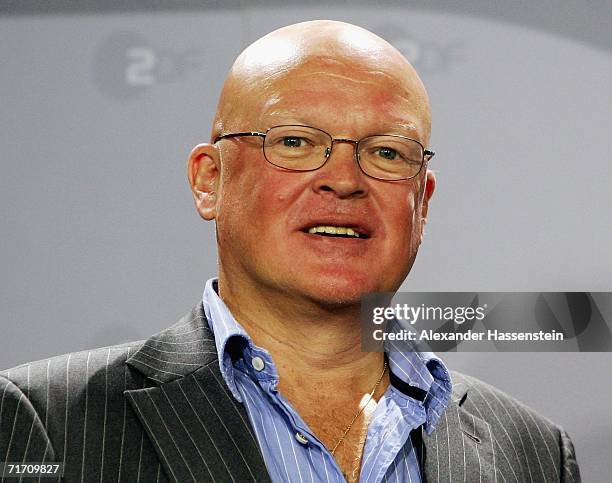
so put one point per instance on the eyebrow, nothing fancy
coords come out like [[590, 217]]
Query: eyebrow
[[408, 129], [408, 126]]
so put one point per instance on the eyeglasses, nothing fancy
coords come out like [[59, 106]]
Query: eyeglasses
[[387, 157]]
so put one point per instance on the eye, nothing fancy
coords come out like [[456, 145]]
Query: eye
[[293, 141], [387, 153]]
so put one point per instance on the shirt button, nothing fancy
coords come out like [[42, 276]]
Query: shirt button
[[258, 363], [301, 438]]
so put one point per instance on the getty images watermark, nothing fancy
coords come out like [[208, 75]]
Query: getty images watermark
[[487, 321]]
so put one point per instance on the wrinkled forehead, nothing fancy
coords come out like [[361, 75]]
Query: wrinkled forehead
[[344, 99]]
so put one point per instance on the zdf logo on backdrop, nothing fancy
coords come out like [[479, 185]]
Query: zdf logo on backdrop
[[126, 64]]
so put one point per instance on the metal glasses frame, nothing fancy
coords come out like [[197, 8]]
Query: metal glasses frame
[[427, 154]]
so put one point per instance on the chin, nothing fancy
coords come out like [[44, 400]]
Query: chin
[[340, 291]]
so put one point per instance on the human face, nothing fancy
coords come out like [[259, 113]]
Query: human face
[[263, 213]]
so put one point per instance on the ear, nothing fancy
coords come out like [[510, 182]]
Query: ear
[[428, 191], [203, 174]]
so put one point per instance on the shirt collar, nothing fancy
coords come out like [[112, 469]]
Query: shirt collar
[[420, 369], [425, 371], [224, 327]]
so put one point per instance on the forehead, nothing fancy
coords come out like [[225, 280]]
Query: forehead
[[343, 98]]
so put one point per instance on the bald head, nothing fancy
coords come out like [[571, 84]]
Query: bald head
[[317, 47]]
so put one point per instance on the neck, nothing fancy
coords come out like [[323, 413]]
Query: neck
[[322, 371], [311, 344]]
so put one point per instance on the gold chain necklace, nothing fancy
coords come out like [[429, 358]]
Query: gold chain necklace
[[348, 428]]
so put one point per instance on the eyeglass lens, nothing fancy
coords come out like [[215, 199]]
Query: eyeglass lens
[[304, 148]]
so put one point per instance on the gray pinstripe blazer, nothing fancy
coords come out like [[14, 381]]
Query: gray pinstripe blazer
[[159, 410]]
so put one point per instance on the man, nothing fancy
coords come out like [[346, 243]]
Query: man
[[317, 180]]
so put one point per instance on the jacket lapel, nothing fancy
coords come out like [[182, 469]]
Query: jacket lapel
[[461, 446], [200, 433]]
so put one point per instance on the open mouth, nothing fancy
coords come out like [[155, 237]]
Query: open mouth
[[336, 231]]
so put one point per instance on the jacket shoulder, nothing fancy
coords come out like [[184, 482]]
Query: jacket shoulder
[[494, 405], [535, 446], [42, 382], [72, 408]]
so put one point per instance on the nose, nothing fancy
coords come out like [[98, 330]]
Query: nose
[[341, 174]]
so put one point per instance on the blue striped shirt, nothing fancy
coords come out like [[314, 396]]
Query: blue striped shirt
[[291, 451]]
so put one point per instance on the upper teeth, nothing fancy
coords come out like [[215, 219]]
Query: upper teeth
[[333, 230]]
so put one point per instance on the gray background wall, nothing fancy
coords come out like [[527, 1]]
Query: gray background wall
[[99, 109]]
